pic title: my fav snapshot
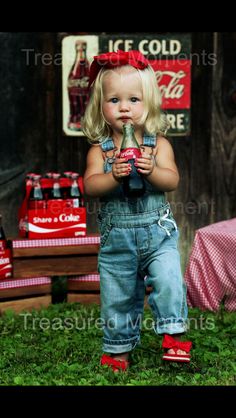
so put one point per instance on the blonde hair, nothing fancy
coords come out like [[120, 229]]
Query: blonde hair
[[96, 128]]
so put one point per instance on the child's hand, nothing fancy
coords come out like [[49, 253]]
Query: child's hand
[[120, 168], [145, 164]]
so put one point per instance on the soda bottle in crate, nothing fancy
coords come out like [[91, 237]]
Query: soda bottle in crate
[[53, 206], [56, 191], [23, 211], [75, 191], [36, 199], [5, 255]]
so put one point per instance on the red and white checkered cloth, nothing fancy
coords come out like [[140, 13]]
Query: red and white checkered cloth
[[211, 272], [55, 242], [32, 281], [85, 278]]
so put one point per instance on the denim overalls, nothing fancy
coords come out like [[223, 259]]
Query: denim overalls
[[139, 247]]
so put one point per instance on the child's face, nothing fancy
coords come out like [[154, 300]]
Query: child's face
[[123, 98]]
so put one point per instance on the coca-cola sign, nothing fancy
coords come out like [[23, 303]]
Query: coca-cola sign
[[174, 88], [169, 54]]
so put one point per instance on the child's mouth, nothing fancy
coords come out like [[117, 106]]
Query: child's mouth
[[124, 118]]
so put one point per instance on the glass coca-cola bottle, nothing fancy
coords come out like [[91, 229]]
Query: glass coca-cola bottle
[[66, 186], [133, 184], [36, 200], [75, 191], [78, 90], [5, 254], [56, 191], [3, 241]]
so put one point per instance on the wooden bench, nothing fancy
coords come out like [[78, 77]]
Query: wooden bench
[[55, 257], [75, 258], [49, 258], [84, 288], [25, 294]]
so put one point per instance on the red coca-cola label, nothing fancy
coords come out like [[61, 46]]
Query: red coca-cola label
[[53, 217], [5, 264], [130, 153], [57, 222]]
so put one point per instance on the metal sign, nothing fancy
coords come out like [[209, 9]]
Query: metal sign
[[168, 54]]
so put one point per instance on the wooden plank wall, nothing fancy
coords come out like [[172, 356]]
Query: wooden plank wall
[[32, 138], [223, 132], [191, 202]]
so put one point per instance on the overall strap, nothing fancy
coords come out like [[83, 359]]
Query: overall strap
[[107, 144], [149, 140]]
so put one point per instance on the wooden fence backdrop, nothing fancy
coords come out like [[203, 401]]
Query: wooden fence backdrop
[[32, 139]]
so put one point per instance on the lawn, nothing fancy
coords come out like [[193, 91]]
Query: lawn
[[61, 346]]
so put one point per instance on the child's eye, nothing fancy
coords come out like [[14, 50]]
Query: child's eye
[[134, 99], [114, 100]]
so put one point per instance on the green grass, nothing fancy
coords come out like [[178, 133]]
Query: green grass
[[61, 345]]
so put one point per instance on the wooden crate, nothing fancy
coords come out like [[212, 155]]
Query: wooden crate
[[55, 257], [84, 289], [19, 294]]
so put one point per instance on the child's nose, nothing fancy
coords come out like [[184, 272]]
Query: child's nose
[[124, 106]]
